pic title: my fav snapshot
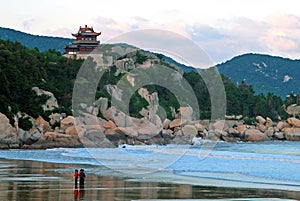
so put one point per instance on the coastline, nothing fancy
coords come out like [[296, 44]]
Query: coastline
[[34, 180]]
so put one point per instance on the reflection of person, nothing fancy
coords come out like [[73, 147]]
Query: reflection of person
[[76, 177], [75, 194], [81, 178], [81, 194]]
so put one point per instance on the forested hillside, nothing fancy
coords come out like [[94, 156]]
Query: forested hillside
[[21, 69]]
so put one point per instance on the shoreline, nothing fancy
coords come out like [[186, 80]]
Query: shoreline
[[31, 178]]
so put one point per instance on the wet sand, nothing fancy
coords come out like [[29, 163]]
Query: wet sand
[[40, 181]]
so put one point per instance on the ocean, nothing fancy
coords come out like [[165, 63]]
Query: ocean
[[271, 166]]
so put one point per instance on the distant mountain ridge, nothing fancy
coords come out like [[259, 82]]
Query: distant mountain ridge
[[265, 73], [43, 43]]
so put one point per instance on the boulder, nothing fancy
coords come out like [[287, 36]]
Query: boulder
[[124, 64], [200, 127], [233, 123], [211, 135], [29, 137], [102, 103], [92, 110], [166, 124], [228, 138], [122, 120], [114, 91], [147, 130], [128, 131], [66, 122], [111, 131], [96, 139], [221, 133], [74, 130], [8, 134], [220, 125], [109, 125], [262, 128], [241, 129], [87, 119], [182, 139], [293, 109], [175, 123], [269, 122], [40, 122], [110, 113], [94, 127], [53, 140], [280, 125], [254, 135], [270, 132], [144, 112], [279, 135], [130, 78], [189, 130], [152, 99], [234, 132], [294, 122], [292, 134], [56, 118], [261, 120], [186, 113]]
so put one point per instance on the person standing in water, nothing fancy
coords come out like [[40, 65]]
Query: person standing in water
[[81, 178], [76, 177]]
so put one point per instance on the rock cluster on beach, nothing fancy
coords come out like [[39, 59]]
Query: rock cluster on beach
[[116, 128]]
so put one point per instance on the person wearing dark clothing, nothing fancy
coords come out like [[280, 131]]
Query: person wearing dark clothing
[[81, 178], [76, 177]]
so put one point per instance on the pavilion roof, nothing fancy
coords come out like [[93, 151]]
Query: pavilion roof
[[86, 31]]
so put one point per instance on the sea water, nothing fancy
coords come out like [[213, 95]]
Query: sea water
[[269, 165]]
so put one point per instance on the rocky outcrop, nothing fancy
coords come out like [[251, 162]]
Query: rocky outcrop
[[51, 102], [67, 122], [292, 134], [118, 128], [55, 118], [8, 134], [53, 140], [293, 109], [29, 137], [294, 122], [254, 135]]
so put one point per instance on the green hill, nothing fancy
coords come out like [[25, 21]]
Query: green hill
[[265, 73], [43, 43]]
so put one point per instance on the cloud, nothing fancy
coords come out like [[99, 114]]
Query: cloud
[[28, 23], [275, 35], [283, 33], [201, 32], [65, 32], [225, 38], [112, 28]]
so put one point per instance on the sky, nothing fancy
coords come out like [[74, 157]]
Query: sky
[[222, 28]]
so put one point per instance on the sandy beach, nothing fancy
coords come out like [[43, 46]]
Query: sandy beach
[[41, 181]]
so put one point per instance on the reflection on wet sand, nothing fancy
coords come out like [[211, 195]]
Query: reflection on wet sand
[[28, 180]]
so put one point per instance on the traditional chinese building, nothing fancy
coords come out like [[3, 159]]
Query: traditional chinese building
[[86, 42]]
